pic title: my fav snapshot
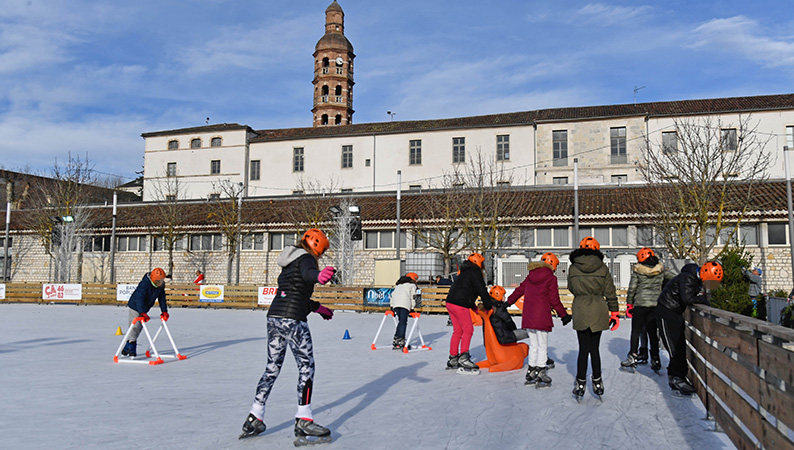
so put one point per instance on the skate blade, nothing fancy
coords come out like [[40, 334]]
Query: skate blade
[[542, 385], [529, 383], [248, 435], [463, 371], [306, 441], [679, 394], [578, 398], [628, 369]]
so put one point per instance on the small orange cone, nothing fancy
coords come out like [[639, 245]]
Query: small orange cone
[[118, 331]]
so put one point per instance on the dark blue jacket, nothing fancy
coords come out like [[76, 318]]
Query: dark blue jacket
[[683, 290], [145, 295]]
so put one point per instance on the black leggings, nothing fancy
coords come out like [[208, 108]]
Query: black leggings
[[588, 347]]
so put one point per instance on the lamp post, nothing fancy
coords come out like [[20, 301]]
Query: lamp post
[[239, 232], [113, 241], [575, 202], [397, 238], [392, 114], [786, 151]]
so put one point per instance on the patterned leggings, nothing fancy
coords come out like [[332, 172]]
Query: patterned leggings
[[282, 332]]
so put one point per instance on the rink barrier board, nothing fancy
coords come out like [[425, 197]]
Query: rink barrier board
[[743, 371], [245, 297]]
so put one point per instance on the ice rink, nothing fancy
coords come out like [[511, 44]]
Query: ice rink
[[60, 389]]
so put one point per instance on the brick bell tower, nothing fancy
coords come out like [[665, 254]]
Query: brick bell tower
[[333, 72]]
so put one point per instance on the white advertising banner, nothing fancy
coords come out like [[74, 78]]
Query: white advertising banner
[[124, 291], [211, 293], [2, 291], [59, 291], [266, 294]]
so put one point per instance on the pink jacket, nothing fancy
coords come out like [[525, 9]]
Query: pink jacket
[[541, 295]]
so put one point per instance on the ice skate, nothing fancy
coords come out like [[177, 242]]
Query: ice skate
[[642, 356], [466, 366], [452, 362], [397, 343], [252, 427], [309, 433], [578, 389], [532, 375], [549, 363], [630, 364], [681, 386], [598, 387], [544, 380], [130, 349], [656, 364]]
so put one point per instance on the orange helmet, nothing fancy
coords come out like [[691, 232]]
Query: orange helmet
[[711, 271], [644, 254], [316, 241], [157, 274], [497, 292], [550, 259], [412, 276], [477, 259], [590, 242]]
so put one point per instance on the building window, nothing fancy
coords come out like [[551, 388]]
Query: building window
[[346, 190], [297, 159], [173, 144], [729, 142], [458, 150], [206, 242], [338, 119], [559, 143], [790, 138], [527, 237], [159, 243], [96, 244], [213, 197], [253, 241], [414, 187], [216, 142], [559, 180], [170, 169], [776, 233], [131, 243], [278, 241], [255, 168], [195, 143], [347, 156], [669, 142], [383, 239], [324, 118], [503, 147], [620, 179], [215, 166], [170, 197], [746, 235], [617, 143], [648, 237], [415, 152]]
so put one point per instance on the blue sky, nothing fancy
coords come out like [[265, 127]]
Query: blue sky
[[88, 77]]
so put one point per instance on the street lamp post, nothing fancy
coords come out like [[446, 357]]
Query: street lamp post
[[239, 232], [113, 241], [397, 238], [786, 151], [575, 202]]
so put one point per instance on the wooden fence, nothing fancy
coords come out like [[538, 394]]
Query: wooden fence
[[744, 374], [245, 296]]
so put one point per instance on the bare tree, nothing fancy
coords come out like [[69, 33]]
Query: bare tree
[[702, 179], [342, 250], [313, 209], [170, 216], [225, 211]]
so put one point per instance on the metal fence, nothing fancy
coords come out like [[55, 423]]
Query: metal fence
[[773, 307]]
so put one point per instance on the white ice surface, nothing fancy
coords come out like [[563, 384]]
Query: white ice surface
[[60, 389]]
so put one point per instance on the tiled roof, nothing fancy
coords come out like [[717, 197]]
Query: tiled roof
[[204, 129], [547, 205], [654, 109]]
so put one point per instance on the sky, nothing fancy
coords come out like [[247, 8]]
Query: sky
[[86, 78]]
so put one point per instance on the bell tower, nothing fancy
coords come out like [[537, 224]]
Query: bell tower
[[333, 72]]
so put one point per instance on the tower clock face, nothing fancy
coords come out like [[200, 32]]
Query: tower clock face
[[339, 61]]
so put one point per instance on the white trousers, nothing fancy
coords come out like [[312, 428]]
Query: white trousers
[[538, 346]]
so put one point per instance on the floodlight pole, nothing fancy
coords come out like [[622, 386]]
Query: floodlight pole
[[113, 241], [397, 238], [786, 151], [575, 239]]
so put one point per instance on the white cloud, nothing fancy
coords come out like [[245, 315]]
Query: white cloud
[[606, 15], [745, 37]]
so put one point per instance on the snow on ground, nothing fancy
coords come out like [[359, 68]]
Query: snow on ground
[[60, 389]]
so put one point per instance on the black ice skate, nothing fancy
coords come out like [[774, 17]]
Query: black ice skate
[[532, 375], [642, 356], [309, 433], [452, 362], [598, 387], [397, 343], [681, 386], [656, 364], [630, 364], [549, 363], [543, 379], [466, 365], [578, 389], [252, 427], [130, 349]]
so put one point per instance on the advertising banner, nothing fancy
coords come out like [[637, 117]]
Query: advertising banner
[[59, 291], [377, 296], [266, 295], [124, 291], [211, 293], [2, 291]]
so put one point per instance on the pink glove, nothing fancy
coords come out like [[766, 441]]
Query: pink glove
[[614, 321], [326, 275], [629, 309], [325, 312]]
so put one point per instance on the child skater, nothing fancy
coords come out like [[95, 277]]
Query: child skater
[[595, 308], [461, 297], [403, 301], [287, 326], [541, 294], [150, 289]]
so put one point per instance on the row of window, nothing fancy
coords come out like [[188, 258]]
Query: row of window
[[173, 144], [543, 237], [215, 168]]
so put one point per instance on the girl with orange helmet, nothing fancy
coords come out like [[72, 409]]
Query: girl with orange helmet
[[150, 289], [691, 286], [403, 301], [541, 293], [287, 326], [462, 296], [594, 308]]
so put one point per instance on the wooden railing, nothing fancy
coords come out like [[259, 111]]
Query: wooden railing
[[744, 374]]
